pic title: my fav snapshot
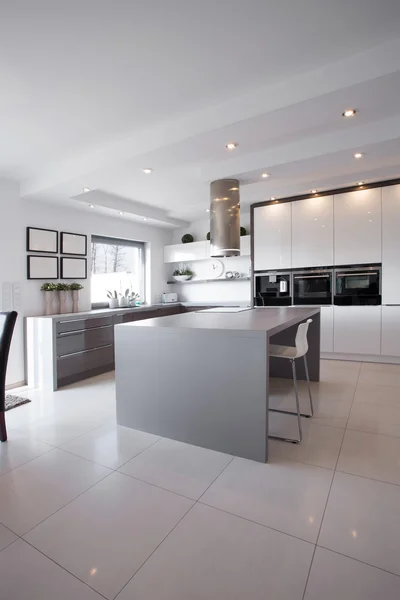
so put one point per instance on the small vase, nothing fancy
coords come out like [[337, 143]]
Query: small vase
[[48, 303], [63, 302], [113, 303], [123, 302], [75, 301]]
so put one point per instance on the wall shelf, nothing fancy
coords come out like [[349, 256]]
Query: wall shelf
[[208, 280]]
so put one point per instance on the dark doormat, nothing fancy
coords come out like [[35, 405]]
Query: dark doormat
[[14, 401]]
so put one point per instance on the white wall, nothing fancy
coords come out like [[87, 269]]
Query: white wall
[[16, 214], [237, 291]]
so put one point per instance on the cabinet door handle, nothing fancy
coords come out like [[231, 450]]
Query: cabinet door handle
[[85, 351], [83, 330]]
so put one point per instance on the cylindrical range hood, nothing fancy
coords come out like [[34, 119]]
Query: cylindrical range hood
[[225, 218]]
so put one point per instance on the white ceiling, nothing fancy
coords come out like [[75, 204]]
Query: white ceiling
[[92, 91]]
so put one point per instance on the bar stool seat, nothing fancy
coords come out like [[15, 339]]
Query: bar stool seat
[[292, 353]]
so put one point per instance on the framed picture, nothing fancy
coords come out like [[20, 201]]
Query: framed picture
[[73, 243], [42, 267], [73, 268], [41, 240]]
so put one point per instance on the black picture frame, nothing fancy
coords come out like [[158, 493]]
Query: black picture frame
[[42, 250], [30, 267], [63, 261], [63, 235]]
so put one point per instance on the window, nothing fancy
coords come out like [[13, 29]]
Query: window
[[117, 265]]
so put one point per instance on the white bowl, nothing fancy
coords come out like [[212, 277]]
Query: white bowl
[[181, 277]]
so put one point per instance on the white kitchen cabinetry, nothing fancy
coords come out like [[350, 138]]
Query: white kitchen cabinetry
[[312, 232], [273, 236], [391, 244], [357, 329], [326, 328], [390, 331], [357, 227], [187, 252]]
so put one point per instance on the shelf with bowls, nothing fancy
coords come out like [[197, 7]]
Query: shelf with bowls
[[216, 279]]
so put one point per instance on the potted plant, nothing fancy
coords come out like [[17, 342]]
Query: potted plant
[[243, 231], [182, 274], [62, 289], [75, 287], [123, 300], [49, 297], [187, 238], [112, 299], [134, 299]]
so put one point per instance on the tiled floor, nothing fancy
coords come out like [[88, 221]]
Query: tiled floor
[[92, 510]]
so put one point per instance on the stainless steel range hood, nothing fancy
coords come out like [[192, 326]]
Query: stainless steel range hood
[[225, 218]]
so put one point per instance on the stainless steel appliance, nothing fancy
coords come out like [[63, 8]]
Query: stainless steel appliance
[[312, 286], [168, 298], [272, 289], [360, 285]]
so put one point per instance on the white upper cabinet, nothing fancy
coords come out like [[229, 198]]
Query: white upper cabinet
[[273, 236], [187, 252], [312, 232], [357, 227], [391, 244]]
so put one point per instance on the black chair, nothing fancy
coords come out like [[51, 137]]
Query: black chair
[[7, 324]]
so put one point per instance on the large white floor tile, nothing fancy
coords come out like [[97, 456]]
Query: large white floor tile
[[25, 574], [106, 534], [110, 445], [377, 394], [362, 521], [288, 496], [6, 538], [371, 455], [380, 374], [212, 555], [336, 577], [340, 371], [178, 467], [19, 450], [320, 445], [37, 489], [375, 419]]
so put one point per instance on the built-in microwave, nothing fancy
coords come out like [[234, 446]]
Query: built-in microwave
[[272, 289], [313, 286], [360, 285]]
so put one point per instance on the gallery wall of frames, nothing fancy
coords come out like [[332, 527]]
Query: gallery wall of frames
[[55, 255]]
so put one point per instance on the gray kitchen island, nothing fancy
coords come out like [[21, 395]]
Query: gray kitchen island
[[203, 377]]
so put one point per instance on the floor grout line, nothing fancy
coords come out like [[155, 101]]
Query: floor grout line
[[358, 560]]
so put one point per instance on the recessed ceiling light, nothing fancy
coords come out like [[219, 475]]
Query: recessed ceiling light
[[273, 198], [120, 212], [144, 218], [85, 189], [360, 183], [207, 210], [314, 191], [91, 205], [358, 155], [350, 112], [231, 146], [265, 175], [147, 170]]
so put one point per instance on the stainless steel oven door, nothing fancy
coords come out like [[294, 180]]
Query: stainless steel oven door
[[312, 287]]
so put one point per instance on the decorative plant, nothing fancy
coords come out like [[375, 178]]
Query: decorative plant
[[75, 286], [63, 287], [112, 295], [208, 236], [49, 287], [187, 238], [243, 231], [181, 272]]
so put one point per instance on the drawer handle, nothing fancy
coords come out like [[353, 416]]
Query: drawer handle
[[85, 351], [76, 331]]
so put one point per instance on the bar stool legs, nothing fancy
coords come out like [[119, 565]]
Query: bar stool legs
[[298, 414], [309, 388]]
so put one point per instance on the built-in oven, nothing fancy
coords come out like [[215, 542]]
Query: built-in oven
[[272, 289], [360, 285], [312, 286]]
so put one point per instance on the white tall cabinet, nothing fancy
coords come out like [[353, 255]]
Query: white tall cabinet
[[391, 245], [357, 227], [312, 232], [273, 236]]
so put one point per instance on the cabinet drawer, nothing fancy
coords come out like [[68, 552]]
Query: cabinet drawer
[[81, 363], [87, 339], [77, 324]]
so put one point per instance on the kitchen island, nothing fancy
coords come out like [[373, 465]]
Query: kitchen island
[[203, 377]]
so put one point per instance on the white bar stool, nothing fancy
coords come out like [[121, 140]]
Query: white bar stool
[[291, 353]]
